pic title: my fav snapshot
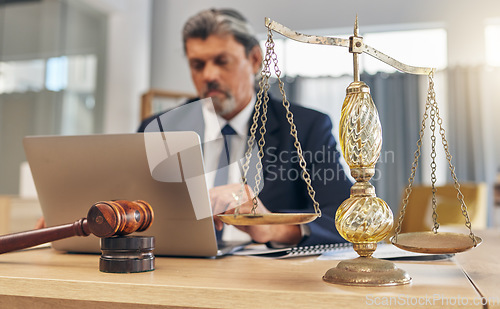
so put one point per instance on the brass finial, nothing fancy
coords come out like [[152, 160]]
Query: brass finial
[[356, 28], [355, 44]]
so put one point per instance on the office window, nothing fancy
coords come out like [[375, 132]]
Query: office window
[[427, 47], [310, 60], [22, 76], [57, 73], [492, 35], [50, 80], [77, 76]]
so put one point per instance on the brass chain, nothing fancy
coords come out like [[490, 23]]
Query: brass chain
[[431, 99], [413, 169], [293, 132], [262, 100], [431, 104], [442, 132]]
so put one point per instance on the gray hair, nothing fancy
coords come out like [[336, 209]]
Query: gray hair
[[220, 22]]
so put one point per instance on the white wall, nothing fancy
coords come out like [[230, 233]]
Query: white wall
[[128, 61]]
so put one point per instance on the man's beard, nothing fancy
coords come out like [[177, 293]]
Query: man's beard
[[224, 104]]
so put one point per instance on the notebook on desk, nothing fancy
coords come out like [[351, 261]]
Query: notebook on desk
[[71, 173]]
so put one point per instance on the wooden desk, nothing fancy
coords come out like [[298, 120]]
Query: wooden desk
[[49, 279], [4, 214], [482, 266]]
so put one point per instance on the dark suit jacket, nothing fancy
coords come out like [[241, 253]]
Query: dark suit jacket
[[284, 190]]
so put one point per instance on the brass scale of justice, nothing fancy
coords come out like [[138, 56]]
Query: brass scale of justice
[[363, 219]]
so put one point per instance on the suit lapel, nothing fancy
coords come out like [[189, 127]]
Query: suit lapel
[[187, 117]]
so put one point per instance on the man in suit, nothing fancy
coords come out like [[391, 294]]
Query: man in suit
[[224, 57]]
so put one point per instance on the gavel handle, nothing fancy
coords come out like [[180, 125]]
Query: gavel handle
[[23, 240]]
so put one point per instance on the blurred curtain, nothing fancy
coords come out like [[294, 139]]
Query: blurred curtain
[[473, 135], [397, 99]]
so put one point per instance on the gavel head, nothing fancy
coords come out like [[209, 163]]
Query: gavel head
[[110, 218]]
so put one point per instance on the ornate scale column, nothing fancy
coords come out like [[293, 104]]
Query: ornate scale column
[[363, 219]]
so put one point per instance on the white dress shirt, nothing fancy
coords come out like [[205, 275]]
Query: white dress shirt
[[214, 144]]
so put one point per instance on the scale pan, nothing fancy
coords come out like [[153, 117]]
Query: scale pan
[[273, 218], [435, 243]]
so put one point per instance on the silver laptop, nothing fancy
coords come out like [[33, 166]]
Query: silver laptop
[[71, 173]]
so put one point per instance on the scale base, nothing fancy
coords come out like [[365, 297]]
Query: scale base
[[367, 271]]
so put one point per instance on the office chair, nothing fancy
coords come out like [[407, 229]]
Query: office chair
[[418, 215]]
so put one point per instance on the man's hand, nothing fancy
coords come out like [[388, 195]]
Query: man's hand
[[225, 199], [40, 223]]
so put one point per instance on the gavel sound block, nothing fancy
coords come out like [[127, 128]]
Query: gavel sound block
[[109, 220]]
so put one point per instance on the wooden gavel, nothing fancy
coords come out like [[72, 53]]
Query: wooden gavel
[[104, 219]]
